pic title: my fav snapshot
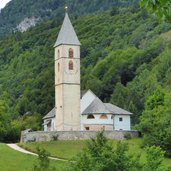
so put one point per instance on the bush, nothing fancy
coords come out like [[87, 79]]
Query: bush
[[100, 156], [127, 136], [55, 137], [43, 163]]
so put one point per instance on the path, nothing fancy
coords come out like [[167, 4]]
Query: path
[[17, 148]]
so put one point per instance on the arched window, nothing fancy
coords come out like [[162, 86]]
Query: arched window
[[71, 53], [58, 67], [90, 116], [103, 116], [71, 65], [58, 53]]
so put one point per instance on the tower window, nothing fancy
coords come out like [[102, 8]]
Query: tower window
[[58, 67], [58, 53], [71, 65], [90, 116], [71, 53]]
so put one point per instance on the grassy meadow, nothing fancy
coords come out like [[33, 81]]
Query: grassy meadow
[[68, 149], [11, 160]]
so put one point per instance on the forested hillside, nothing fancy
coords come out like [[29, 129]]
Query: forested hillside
[[125, 59], [17, 10]]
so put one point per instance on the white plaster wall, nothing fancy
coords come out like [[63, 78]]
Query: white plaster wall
[[53, 124], [125, 124], [52, 128], [97, 120], [45, 127]]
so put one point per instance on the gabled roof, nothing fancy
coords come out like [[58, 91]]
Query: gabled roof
[[51, 114], [67, 34], [116, 110], [96, 107], [46, 122], [83, 92]]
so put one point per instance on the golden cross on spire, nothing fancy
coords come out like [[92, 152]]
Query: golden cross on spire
[[66, 8]]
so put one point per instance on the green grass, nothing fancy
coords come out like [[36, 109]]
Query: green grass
[[11, 160], [61, 149], [68, 149]]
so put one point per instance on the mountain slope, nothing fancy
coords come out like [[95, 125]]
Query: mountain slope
[[18, 10], [114, 48], [125, 56]]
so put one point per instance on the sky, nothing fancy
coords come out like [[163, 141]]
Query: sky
[[3, 3]]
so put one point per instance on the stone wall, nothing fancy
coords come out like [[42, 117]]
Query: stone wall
[[27, 136]]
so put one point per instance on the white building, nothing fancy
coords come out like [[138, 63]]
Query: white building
[[72, 113], [95, 115]]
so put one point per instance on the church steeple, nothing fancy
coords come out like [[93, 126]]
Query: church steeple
[[67, 78], [67, 33]]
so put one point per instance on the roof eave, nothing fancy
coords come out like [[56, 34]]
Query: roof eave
[[72, 44]]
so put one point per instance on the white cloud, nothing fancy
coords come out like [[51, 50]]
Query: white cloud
[[3, 3]]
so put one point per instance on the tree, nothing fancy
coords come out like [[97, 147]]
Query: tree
[[4, 122], [100, 156], [155, 121], [154, 159], [162, 8], [43, 163]]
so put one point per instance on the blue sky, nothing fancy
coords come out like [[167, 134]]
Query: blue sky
[[3, 3]]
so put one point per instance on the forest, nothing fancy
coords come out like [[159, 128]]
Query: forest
[[17, 10], [125, 60]]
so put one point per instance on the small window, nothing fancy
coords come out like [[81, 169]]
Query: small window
[[120, 119], [58, 67], [87, 128], [71, 65], [103, 116], [71, 53], [58, 53], [90, 116]]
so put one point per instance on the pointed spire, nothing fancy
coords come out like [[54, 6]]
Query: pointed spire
[[66, 9], [67, 33]]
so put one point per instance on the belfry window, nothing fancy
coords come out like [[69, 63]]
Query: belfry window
[[90, 116], [58, 67], [71, 53], [58, 53], [71, 65]]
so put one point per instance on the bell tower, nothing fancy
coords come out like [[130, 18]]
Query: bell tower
[[67, 78]]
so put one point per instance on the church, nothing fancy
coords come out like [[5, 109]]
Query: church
[[74, 109]]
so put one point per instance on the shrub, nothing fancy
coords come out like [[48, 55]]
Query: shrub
[[127, 136]]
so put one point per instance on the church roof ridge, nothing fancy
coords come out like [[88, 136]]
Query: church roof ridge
[[117, 110], [67, 34], [96, 107]]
